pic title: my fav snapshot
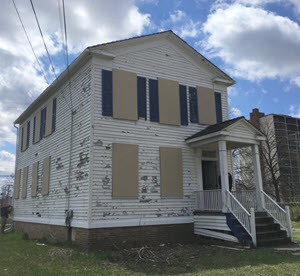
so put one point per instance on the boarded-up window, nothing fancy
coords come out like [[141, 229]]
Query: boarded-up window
[[124, 95], [107, 96], [37, 125], [24, 182], [49, 112], [183, 105], [153, 99], [218, 102], [125, 171], [169, 111], [46, 176], [43, 123], [34, 175], [194, 117], [141, 95], [17, 184], [171, 172], [206, 106]]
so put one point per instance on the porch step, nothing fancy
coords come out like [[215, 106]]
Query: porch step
[[264, 227], [271, 234], [273, 241], [263, 219]]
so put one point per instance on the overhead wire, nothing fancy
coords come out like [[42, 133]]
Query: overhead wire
[[37, 60], [38, 23]]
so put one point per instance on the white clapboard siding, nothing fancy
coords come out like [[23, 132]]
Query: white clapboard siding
[[51, 208], [211, 225], [160, 61]]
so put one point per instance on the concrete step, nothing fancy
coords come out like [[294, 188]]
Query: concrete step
[[271, 234], [265, 227], [261, 214], [265, 220]]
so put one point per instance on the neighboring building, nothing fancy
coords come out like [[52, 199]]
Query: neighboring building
[[285, 130], [120, 146]]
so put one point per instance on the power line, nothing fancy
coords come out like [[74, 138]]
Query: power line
[[37, 21], [30, 42], [66, 37]]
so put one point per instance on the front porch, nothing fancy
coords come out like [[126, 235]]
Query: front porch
[[220, 210]]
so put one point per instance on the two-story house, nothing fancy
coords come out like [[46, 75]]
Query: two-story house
[[128, 145]]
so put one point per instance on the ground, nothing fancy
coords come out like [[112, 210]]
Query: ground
[[20, 256]]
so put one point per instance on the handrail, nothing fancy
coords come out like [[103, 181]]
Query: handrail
[[209, 200], [248, 198], [246, 219], [279, 214]]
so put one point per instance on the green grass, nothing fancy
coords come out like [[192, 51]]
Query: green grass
[[19, 256], [296, 231]]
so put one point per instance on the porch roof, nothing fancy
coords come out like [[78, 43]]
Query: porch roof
[[237, 132]]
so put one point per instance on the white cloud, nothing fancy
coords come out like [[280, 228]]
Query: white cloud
[[254, 43], [182, 24], [7, 162], [294, 111], [88, 24], [275, 100], [236, 112]]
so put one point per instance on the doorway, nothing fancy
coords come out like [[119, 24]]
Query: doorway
[[210, 175]]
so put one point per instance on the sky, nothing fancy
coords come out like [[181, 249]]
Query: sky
[[256, 42]]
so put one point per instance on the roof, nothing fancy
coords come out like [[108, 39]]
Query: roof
[[215, 128], [89, 51]]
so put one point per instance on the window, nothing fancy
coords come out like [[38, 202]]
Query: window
[[183, 105], [125, 176], [107, 97], [28, 135], [22, 138], [43, 123], [206, 106], [141, 97], [54, 115], [171, 172], [153, 98], [24, 182], [17, 184], [218, 102], [33, 133], [194, 118], [35, 169]]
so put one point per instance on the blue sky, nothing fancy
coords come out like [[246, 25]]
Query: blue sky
[[256, 42]]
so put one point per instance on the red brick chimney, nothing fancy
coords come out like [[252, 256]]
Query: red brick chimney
[[254, 117]]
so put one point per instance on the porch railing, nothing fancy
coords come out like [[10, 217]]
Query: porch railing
[[209, 200], [279, 214], [246, 219], [248, 198]]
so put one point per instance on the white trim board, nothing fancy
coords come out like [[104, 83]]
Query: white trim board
[[111, 223]]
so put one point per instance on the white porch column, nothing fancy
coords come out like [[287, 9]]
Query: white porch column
[[223, 173], [257, 177]]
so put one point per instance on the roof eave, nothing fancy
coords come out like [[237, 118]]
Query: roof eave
[[58, 81]]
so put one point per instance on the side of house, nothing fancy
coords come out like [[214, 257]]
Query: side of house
[[52, 156]]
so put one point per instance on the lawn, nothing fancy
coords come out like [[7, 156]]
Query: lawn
[[19, 256]]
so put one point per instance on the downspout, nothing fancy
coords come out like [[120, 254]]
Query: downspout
[[13, 195]]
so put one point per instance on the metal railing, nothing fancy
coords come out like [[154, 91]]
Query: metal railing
[[279, 214], [247, 198], [209, 200], [246, 219]]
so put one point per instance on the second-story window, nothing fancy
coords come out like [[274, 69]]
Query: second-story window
[[43, 123], [54, 115], [28, 135]]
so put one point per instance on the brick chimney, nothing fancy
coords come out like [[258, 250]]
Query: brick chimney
[[254, 117]]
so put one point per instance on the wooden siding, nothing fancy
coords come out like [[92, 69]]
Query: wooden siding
[[51, 208], [160, 61]]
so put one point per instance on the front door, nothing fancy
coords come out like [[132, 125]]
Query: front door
[[210, 175]]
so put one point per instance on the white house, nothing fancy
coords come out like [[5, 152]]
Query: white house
[[128, 145]]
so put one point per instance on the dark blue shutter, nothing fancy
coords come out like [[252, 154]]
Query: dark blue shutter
[[28, 134], [107, 93], [54, 115], [153, 98], [22, 132], [218, 102], [43, 123], [183, 105], [141, 97], [193, 105], [33, 130]]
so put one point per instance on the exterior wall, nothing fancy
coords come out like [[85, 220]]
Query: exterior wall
[[50, 209], [165, 61]]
